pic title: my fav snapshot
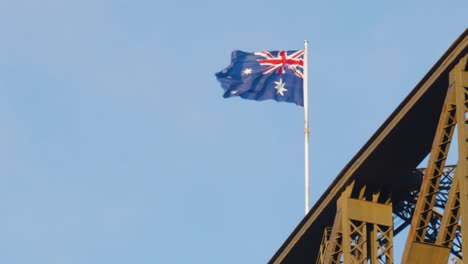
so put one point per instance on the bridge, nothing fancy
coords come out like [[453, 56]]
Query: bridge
[[381, 191]]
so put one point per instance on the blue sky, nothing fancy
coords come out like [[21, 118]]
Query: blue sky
[[116, 145]]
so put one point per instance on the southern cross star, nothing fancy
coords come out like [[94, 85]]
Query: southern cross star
[[247, 71], [280, 87]]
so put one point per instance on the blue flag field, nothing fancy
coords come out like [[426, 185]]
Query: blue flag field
[[259, 76]]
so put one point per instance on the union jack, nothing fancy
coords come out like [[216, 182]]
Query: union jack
[[282, 61]]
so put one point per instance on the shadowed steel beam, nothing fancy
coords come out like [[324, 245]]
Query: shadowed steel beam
[[459, 79], [430, 187], [408, 131], [449, 223]]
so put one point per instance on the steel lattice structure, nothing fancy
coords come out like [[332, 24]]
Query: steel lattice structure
[[403, 212], [381, 191]]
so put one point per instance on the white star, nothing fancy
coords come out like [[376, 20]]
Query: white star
[[280, 87], [247, 71]]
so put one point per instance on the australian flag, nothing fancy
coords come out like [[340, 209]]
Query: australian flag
[[276, 75]]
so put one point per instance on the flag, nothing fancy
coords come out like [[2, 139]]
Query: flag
[[263, 75]]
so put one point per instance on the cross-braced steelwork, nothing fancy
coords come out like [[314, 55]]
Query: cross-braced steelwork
[[433, 174], [333, 252], [362, 231], [403, 212], [324, 244], [435, 222], [382, 182], [458, 79], [356, 233], [433, 211], [382, 238], [447, 231]]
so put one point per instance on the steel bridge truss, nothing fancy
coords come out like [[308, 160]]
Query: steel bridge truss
[[363, 228], [403, 212]]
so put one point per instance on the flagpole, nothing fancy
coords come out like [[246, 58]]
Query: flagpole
[[306, 127]]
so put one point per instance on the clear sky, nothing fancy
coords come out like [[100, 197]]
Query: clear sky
[[116, 145]]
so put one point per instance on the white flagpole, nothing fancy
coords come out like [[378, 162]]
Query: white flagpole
[[306, 128]]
